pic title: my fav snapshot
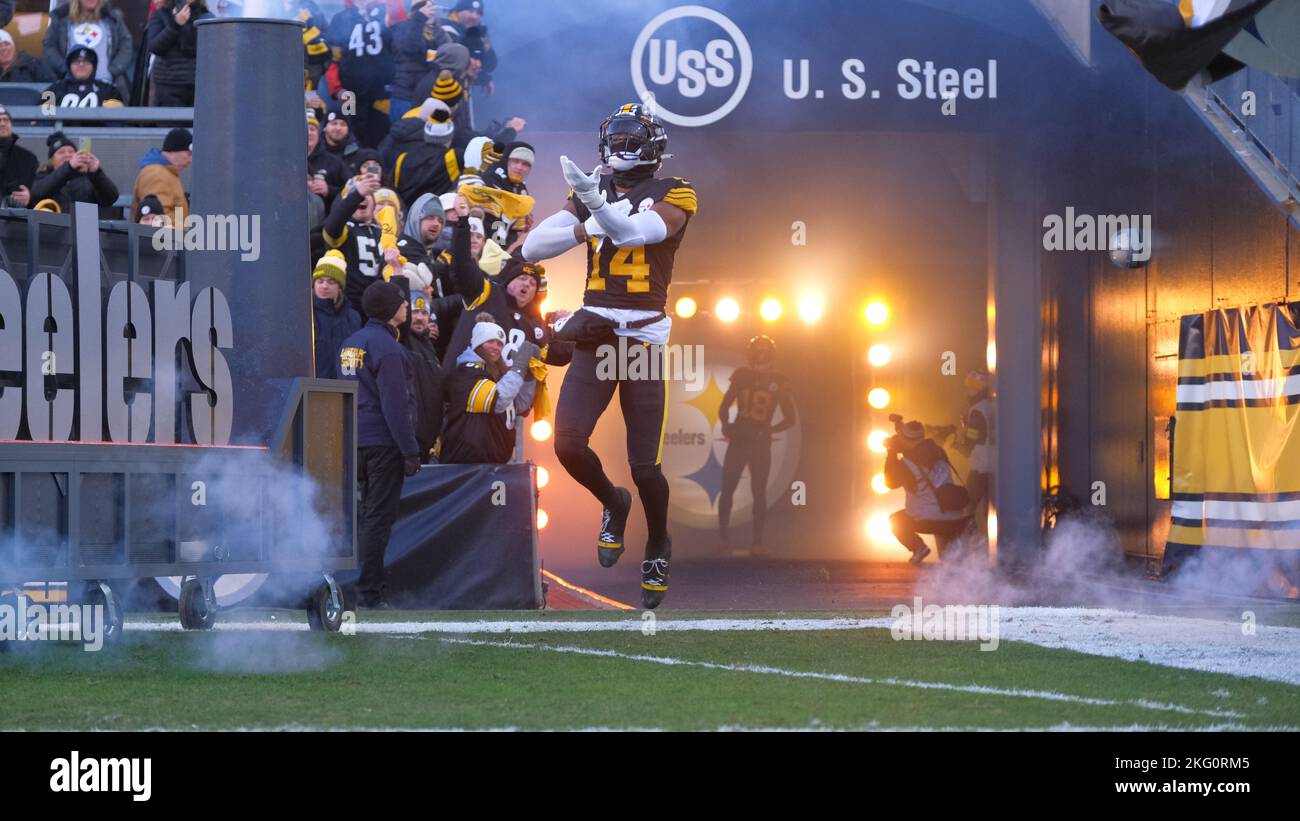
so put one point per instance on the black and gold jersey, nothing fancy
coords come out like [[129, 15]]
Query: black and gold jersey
[[474, 432], [359, 242], [757, 394], [635, 277]]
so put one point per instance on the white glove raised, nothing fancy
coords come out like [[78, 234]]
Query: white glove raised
[[587, 188], [594, 228]]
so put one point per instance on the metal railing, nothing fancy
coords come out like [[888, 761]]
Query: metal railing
[[1255, 114]]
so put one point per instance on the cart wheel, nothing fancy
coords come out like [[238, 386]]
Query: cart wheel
[[100, 594], [325, 609], [196, 611]]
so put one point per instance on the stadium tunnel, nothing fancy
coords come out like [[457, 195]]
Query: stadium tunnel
[[942, 218]]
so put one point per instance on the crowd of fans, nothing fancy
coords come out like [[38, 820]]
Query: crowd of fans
[[399, 180], [416, 217]]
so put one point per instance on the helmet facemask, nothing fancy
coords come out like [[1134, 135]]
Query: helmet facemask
[[632, 144]]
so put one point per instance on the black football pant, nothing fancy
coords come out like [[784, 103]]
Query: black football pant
[[380, 473], [583, 398], [756, 452], [908, 531]]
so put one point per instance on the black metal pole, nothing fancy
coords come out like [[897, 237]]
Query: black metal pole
[[250, 164]]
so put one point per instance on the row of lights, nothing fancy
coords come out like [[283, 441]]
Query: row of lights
[[811, 308], [878, 356]]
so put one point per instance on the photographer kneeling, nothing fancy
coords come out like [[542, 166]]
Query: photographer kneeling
[[935, 504], [486, 398]]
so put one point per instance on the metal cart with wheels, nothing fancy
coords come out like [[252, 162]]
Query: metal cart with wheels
[[93, 515]]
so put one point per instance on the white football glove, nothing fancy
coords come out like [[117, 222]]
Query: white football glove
[[594, 229], [587, 188]]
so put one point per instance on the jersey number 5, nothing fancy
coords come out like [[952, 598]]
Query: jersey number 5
[[626, 262]]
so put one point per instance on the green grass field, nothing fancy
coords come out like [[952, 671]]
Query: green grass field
[[692, 680]]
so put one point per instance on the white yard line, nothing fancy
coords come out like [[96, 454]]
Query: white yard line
[[843, 678], [1271, 652], [626, 625]]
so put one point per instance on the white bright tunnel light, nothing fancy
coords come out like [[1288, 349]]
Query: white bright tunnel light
[[543, 477], [878, 398], [728, 310], [811, 308], [876, 440], [770, 310], [540, 430], [879, 355], [542, 519], [877, 313], [686, 307], [878, 484], [878, 529]]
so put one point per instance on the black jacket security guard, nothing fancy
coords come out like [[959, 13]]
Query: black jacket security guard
[[386, 446]]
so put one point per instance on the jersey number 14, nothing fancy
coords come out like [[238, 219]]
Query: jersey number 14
[[626, 262]]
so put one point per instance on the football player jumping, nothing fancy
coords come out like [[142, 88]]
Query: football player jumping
[[632, 223]]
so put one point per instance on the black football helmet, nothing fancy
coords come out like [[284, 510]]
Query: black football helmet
[[762, 350], [632, 137]]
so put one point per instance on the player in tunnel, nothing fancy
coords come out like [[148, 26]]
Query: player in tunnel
[[756, 390]]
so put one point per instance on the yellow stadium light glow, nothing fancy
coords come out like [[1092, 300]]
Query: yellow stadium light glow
[[878, 529], [770, 310], [540, 430], [878, 484], [542, 519], [876, 440], [546, 306], [879, 355], [878, 398], [686, 307], [877, 313], [543, 477], [728, 310], [811, 308]]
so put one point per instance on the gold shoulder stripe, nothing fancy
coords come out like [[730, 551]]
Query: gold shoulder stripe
[[335, 242], [482, 397], [453, 167], [683, 198], [397, 169], [487, 289]]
